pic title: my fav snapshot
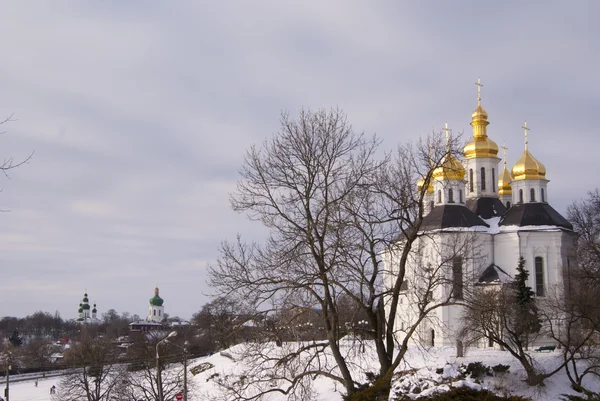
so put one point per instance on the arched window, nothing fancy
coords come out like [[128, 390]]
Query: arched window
[[508, 204], [539, 276], [542, 195], [532, 196], [470, 180], [493, 180], [460, 198], [520, 196], [483, 178], [450, 196], [154, 312], [431, 206], [457, 277], [439, 196]]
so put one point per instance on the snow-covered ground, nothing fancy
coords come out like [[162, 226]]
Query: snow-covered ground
[[422, 362]]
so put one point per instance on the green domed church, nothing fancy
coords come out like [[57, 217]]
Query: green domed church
[[84, 315], [156, 310]]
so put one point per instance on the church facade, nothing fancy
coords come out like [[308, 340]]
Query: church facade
[[480, 218]]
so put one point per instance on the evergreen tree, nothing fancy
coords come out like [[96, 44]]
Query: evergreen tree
[[527, 320], [16, 339]]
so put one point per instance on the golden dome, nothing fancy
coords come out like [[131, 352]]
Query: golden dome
[[504, 180], [479, 114], [420, 184], [528, 168], [451, 169], [480, 145]]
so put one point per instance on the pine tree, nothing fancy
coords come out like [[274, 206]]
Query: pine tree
[[527, 320], [16, 339]]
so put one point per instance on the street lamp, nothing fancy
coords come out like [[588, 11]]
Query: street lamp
[[158, 373], [185, 351]]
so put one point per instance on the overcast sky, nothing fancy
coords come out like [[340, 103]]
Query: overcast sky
[[139, 113]]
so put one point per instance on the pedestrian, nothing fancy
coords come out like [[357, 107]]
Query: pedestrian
[[36, 382]]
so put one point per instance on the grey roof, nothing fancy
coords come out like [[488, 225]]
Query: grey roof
[[448, 216], [493, 275], [534, 214], [486, 208]]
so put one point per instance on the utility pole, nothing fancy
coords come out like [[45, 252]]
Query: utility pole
[[6, 390], [185, 389]]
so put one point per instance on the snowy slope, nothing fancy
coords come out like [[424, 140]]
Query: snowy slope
[[424, 362]]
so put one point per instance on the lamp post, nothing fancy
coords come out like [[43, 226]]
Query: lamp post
[[185, 351], [158, 372]]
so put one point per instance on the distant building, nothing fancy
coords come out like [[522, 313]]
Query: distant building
[[84, 315], [155, 317]]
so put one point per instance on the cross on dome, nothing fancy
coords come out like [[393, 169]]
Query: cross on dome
[[526, 130], [479, 85], [505, 148], [448, 130]]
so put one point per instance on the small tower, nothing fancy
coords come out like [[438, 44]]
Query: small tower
[[481, 154], [529, 183], [156, 310], [504, 188], [94, 312], [449, 179]]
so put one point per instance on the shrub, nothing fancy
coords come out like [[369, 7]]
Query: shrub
[[589, 396], [469, 394], [477, 369], [500, 368]]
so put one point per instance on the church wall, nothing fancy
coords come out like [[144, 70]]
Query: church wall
[[491, 171]]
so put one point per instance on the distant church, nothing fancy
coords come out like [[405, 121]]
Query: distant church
[[504, 215], [155, 317], [83, 313]]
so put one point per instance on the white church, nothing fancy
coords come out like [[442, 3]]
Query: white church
[[492, 216]]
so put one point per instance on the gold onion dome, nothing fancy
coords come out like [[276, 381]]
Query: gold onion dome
[[504, 180], [528, 168], [480, 145], [420, 184], [451, 169]]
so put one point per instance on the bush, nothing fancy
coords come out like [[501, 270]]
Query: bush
[[477, 369], [589, 396], [379, 390], [469, 394], [500, 368]]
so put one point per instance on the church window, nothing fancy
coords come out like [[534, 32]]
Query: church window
[[539, 276], [508, 204], [439, 196], [450, 196], [457, 277], [532, 191], [159, 312], [471, 180], [542, 195], [154, 312], [483, 178], [431, 205], [520, 196], [493, 180], [460, 196]]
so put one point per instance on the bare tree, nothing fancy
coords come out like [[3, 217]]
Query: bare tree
[[96, 375], [331, 209], [142, 381]]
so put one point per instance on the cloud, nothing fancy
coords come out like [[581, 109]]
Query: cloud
[[140, 114]]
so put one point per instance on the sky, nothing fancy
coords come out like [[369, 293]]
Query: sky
[[138, 115]]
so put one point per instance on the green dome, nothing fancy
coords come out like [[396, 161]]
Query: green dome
[[80, 310], [156, 300], [86, 306]]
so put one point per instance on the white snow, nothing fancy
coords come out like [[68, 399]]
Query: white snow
[[419, 371]]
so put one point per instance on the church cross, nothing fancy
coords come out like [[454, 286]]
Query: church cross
[[526, 130], [448, 130], [505, 149], [479, 85]]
